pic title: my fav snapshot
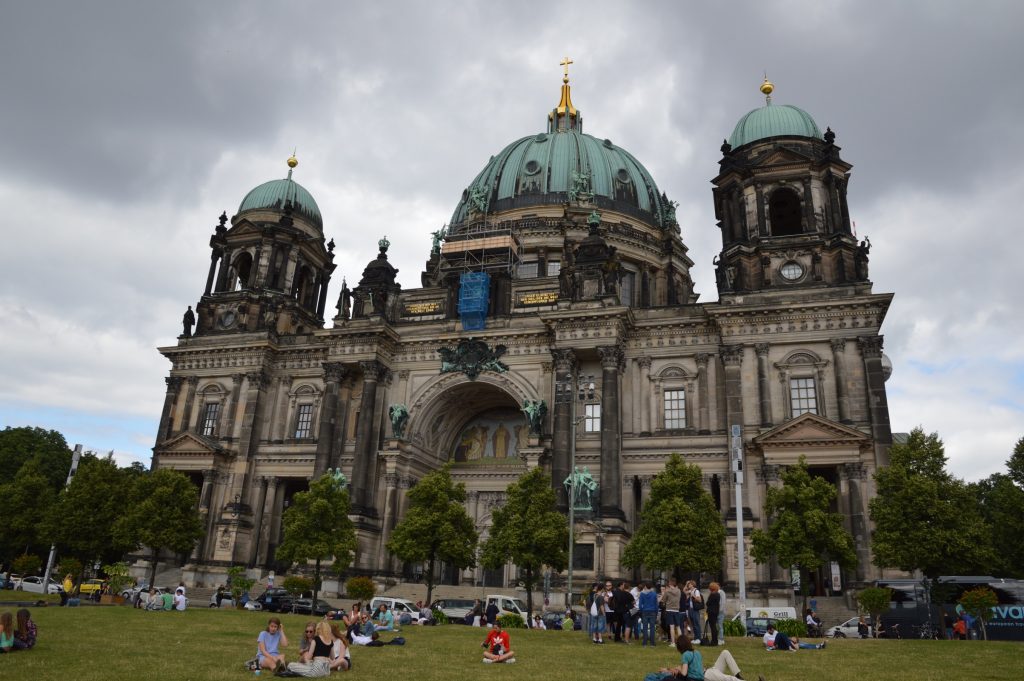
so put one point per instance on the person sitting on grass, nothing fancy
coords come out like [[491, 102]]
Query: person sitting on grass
[[308, 632], [384, 618], [25, 633], [6, 633], [776, 640], [692, 666], [497, 647], [341, 658], [316, 661], [167, 601], [268, 644]]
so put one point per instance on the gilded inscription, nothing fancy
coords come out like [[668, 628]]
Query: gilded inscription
[[543, 298], [432, 307]]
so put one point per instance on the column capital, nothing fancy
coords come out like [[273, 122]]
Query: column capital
[[546, 367], [403, 375], [237, 378], [732, 355], [702, 359], [643, 362], [334, 372], [768, 472], [173, 383], [612, 356], [762, 349], [192, 381], [870, 346], [258, 379], [838, 344], [854, 471], [372, 370], [565, 360]]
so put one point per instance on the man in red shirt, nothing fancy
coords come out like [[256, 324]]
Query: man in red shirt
[[496, 646]]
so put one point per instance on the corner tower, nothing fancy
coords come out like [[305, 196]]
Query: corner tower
[[780, 202]]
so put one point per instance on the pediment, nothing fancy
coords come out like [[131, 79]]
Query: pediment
[[780, 156], [190, 443], [811, 430], [244, 228]]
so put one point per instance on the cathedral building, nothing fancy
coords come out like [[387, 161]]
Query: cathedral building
[[556, 326]]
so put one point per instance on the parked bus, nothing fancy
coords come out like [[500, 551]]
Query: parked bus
[[908, 610]]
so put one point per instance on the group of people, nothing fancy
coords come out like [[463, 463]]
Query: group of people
[[631, 613], [17, 634], [322, 650], [152, 600]]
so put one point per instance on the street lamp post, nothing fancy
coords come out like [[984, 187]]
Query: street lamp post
[[583, 389]]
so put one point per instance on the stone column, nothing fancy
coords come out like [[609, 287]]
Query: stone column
[[384, 558], [763, 386], [341, 427], [770, 476], [225, 269], [365, 465], [877, 402], [284, 385], [232, 407], [214, 257], [186, 418], [204, 513], [644, 394], [854, 476], [257, 532], [611, 444], [167, 413], [561, 441], [334, 373], [265, 529], [322, 302], [276, 520], [839, 366], [256, 383], [703, 394], [732, 358]]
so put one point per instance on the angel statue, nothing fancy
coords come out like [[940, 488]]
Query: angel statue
[[535, 411]]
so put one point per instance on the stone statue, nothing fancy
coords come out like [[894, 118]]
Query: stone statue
[[399, 414], [436, 239], [581, 487], [535, 411], [580, 189], [187, 322], [860, 259]]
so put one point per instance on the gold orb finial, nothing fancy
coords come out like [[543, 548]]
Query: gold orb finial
[[767, 87], [292, 161]]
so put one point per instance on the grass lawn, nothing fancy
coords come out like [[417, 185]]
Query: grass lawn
[[114, 643]]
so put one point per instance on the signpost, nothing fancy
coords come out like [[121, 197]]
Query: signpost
[[737, 469], [53, 547]]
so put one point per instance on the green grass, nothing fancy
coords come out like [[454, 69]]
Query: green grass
[[119, 643], [12, 596]]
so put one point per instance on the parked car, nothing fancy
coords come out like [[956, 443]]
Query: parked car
[[35, 585], [303, 606], [508, 605], [90, 586], [848, 629], [455, 609], [130, 593], [11, 581], [398, 607], [758, 626], [271, 599]]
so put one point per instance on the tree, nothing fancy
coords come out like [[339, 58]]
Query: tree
[[925, 519], [360, 588], [83, 519], [161, 514], [28, 498], [528, 530], [239, 583], [679, 528], [1015, 465], [436, 526], [1001, 503], [47, 447], [874, 600], [979, 602], [317, 527], [802, 531]]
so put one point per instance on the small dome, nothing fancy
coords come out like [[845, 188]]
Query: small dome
[[274, 194], [774, 120]]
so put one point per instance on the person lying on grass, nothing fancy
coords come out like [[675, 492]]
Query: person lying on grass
[[776, 640]]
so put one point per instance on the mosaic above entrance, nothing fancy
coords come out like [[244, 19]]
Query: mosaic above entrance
[[493, 437]]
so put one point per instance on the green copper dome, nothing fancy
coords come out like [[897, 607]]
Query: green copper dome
[[774, 120], [276, 193], [559, 166]]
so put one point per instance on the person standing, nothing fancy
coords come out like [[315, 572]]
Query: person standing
[[713, 606], [694, 604], [721, 616], [648, 603], [670, 596], [598, 616], [623, 603]]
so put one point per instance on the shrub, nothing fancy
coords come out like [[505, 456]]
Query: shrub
[[440, 617], [27, 564], [791, 628], [360, 588], [734, 628], [118, 577], [239, 582], [69, 566], [874, 600], [511, 621], [296, 585]]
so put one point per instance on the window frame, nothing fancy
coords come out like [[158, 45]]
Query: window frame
[[300, 411], [591, 417], [209, 427], [673, 422]]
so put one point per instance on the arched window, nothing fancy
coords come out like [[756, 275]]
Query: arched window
[[242, 270], [303, 283], [784, 211]]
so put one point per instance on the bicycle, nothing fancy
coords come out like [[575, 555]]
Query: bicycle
[[928, 631]]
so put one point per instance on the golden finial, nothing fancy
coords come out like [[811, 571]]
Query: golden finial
[[767, 87], [292, 161], [565, 65]]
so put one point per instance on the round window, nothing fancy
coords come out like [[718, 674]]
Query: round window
[[622, 175], [792, 271], [532, 168]]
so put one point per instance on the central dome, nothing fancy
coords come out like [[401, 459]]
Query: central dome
[[560, 165]]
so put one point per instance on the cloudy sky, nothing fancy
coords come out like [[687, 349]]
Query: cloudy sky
[[127, 127]]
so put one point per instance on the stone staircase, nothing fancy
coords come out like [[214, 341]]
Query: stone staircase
[[832, 610]]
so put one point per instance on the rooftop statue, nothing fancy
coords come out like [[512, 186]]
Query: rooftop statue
[[399, 414], [535, 411]]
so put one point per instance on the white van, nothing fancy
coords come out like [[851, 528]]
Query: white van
[[508, 604], [777, 612], [397, 606]]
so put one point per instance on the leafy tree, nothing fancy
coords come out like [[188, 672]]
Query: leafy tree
[[240, 583], [979, 602], [925, 519], [803, 532], [161, 514], [528, 530], [296, 586], [118, 577], [27, 564], [1001, 503], [83, 519], [874, 600], [360, 588], [317, 527], [69, 565], [46, 447], [436, 526], [28, 498], [678, 529], [1015, 465]]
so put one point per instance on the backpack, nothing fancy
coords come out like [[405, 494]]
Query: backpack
[[397, 641]]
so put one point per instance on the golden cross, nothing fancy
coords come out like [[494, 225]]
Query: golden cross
[[565, 63]]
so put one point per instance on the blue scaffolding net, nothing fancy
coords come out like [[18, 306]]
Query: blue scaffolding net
[[474, 295]]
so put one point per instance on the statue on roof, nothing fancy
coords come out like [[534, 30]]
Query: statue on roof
[[187, 322], [399, 415], [535, 411], [579, 190], [436, 239]]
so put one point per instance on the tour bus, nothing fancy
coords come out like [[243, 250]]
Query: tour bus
[[908, 605]]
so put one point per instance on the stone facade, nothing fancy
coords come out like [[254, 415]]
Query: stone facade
[[591, 311]]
